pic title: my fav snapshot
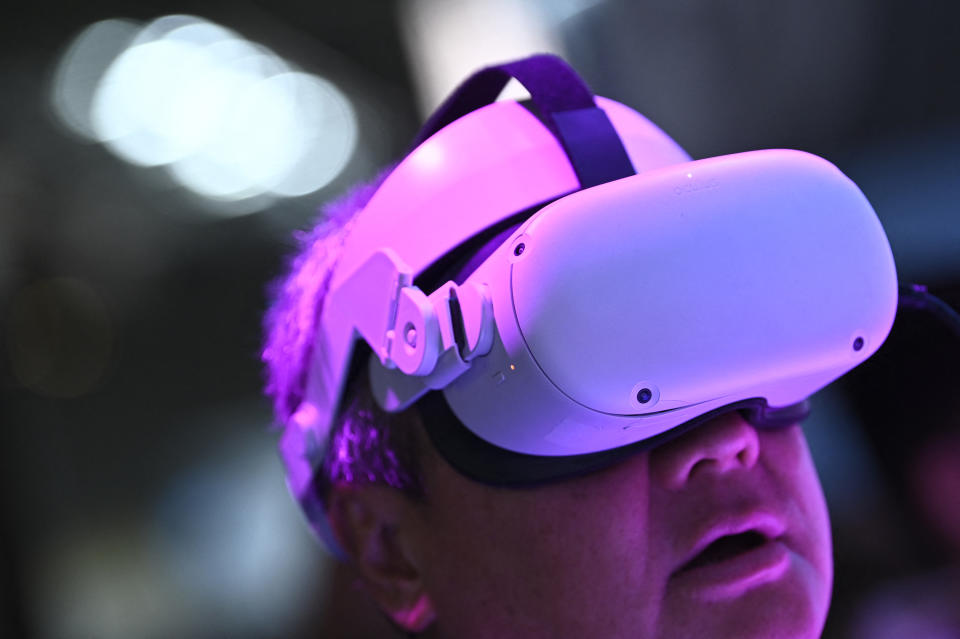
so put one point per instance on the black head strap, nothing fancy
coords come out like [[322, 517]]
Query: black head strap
[[915, 297], [566, 105]]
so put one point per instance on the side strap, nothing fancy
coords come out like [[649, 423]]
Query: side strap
[[566, 104], [916, 297]]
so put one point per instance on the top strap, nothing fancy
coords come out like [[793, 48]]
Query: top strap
[[565, 103]]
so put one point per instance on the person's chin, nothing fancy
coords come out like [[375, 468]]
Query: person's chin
[[791, 604]]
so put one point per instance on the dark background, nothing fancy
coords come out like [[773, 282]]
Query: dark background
[[141, 496]]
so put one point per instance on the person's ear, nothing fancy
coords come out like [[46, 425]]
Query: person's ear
[[373, 524]]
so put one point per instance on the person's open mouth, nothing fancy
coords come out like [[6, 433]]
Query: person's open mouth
[[734, 556]]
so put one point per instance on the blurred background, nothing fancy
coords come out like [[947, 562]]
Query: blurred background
[[157, 158]]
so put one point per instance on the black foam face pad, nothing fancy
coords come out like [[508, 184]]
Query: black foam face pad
[[486, 463]]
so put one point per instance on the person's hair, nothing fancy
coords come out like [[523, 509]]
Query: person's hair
[[367, 444]]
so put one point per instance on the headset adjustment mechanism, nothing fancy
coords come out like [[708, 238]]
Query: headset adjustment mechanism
[[420, 341]]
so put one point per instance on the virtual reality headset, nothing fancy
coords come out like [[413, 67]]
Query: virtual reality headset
[[558, 285]]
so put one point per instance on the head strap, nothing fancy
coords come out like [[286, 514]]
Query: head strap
[[566, 105], [915, 297]]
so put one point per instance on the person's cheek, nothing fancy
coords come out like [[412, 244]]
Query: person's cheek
[[616, 580], [786, 458], [564, 559]]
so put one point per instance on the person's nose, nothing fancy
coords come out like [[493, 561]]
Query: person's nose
[[720, 446]]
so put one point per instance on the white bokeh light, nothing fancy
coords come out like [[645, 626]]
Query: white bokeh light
[[228, 118], [81, 67], [138, 108], [327, 138]]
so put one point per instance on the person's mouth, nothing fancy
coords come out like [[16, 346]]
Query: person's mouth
[[734, 555]]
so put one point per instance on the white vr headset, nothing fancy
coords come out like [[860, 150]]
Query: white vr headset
[[551, 317]]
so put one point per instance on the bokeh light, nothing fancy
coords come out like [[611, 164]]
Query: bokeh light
[[82, 66], [229, 119]]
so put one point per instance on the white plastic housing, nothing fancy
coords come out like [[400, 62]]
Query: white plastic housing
[[762, 274]]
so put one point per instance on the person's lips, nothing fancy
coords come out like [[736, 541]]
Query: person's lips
[[734, 554], [729, 534]]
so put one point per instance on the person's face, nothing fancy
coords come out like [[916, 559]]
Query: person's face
[[620, 553]]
